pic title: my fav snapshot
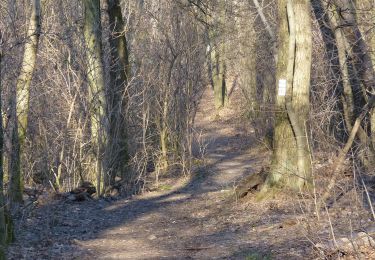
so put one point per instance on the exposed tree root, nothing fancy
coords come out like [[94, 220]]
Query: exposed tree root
[[251, 183]]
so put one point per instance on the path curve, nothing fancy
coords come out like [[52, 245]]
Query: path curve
[[195, 219]]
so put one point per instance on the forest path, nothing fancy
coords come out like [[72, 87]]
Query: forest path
[[189, 221], [195, 218]]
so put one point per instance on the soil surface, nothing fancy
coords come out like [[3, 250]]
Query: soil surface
[[195, 217]]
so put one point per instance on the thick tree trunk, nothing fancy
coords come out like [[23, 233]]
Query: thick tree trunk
[[291, 164], [20, 109], [284, 159], [117, 153], [95, 73], [300, 104]]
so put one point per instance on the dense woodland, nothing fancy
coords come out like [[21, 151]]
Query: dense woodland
[[99, 99]]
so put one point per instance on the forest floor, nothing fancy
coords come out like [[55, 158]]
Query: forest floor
[[194, 217]]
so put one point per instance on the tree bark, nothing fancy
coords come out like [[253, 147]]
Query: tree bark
[[219, 77], [95, 73], [248, 78], [357, 48], [2, 200], [284, 146], [291, 164], [20, 108], [298, 106], [341, 45], [117, 154], [218, 57], [372, 43], [360, 51]]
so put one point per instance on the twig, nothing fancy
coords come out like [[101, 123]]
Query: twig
[[331, 227], [369, 199]]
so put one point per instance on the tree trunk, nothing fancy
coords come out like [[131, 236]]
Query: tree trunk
[[20, 109], [347, 97], [345, 53], [249, 73], [95, 73], [218, 57], [284, 147], [372, 112], [219, 77], [163, 118], [291, 164], [118, 153], [363, 65], [360, 51], [2, 200], [264, 20], [300, 94]]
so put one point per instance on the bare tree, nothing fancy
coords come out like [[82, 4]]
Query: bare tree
[[117, 152], [291, 164], [98, 102], [20, 108], [217, 42]]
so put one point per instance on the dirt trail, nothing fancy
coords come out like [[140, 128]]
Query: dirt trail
[[183, 223], [195, 219]]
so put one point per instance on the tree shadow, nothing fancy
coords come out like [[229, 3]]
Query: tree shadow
[[63, 229]]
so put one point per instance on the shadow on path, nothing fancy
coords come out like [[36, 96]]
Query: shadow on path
[[194, 220]]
